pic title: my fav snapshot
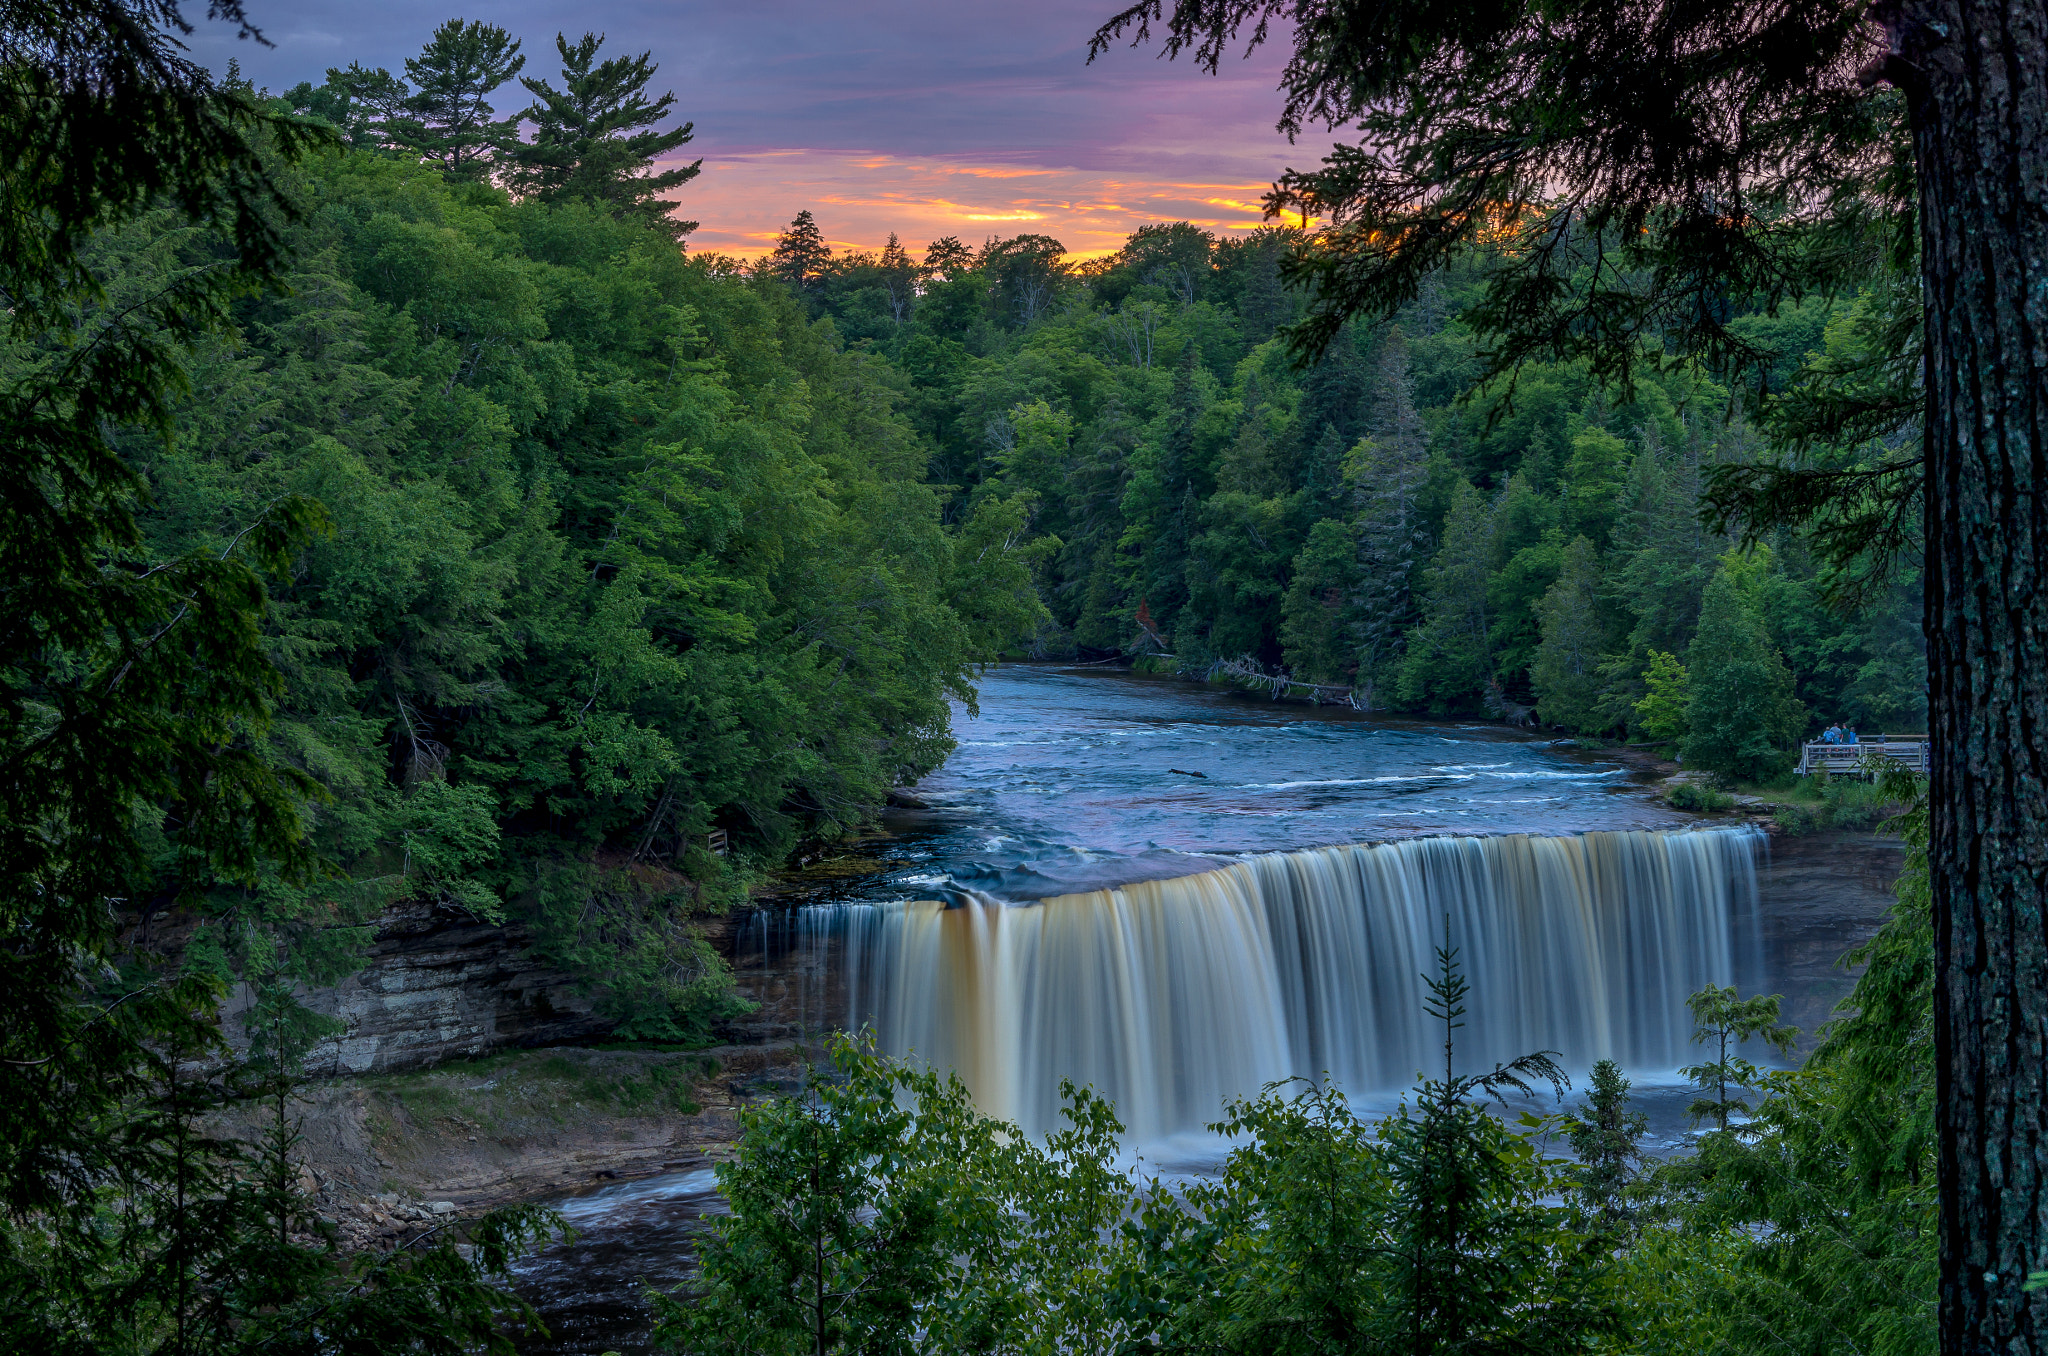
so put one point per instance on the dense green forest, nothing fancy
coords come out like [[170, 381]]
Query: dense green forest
[[1376, 522], [621, 550]]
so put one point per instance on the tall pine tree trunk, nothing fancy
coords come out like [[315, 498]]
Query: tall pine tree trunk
[[1976, 72]]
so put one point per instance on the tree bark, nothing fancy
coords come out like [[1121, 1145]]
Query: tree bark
[[1976, 75]]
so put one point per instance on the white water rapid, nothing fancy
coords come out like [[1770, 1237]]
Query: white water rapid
[[1170, 996]]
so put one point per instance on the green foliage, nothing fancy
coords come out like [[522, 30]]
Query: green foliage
[[1566, 670], [1217, 503], [1743, 717], [1665, 712], [1694, 796], [877, 1211], [445, 120], [1814, 1228], [1605, 1137], [592, 138], [1723, 1021], [801, 253]]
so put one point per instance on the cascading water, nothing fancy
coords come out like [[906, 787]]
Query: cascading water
[[1170, 996]]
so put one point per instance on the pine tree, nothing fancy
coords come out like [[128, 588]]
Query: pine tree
[[801, 254], [1450, 655], [1605, 1136], [360, 104], [1160, 505], [1566, 671], [1744, 717], [593, 139], [1315, 631], [446, 118], [1712, 149], [1387, 471]]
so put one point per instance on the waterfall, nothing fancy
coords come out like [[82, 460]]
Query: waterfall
[[1170, 996]]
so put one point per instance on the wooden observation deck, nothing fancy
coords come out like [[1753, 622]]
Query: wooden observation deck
[[1908, 749]]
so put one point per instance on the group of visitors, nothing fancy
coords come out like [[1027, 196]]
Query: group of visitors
[[1838, 734]]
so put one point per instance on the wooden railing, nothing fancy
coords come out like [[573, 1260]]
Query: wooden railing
[[1908, 749]]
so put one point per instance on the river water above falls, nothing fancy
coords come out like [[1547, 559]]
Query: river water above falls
[[1074, 902]]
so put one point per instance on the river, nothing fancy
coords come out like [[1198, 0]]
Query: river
[[1176, 893]]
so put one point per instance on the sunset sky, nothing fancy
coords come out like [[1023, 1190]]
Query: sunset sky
[[918, 116]]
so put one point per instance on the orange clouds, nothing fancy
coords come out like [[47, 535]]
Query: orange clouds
[[745, 198]]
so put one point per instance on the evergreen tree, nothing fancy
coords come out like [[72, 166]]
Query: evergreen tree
[[801, 254], [360, 104], [1663, 557], [593, 138], [1566, 671], [1387, 471], [1723, 1021], [1449, 655], [1160, 505], [1673, 172], [1315, 630], [447, 119], [1605, 1136], [1743, 715], [1432, 1231]]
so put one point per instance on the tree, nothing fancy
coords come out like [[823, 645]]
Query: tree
[[1665, 711], [1315, 631], [800, 253], [1024, 274], [1743, 716], [1174, 256], [1566, 671], [593, 139], [1388, 471], [1431, 1231], [360, 104], [1450, 655], [876, 1210], [446, 118], [1650, 165], [947, 258], [1159, 508], [139, 691], [132, 684], [1605, 1135], [899, 279], [1723, 1021]]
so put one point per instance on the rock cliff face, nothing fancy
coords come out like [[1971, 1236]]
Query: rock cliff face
[[438, 986]]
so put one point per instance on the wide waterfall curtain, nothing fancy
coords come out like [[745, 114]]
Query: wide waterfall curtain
[[1170, 996]]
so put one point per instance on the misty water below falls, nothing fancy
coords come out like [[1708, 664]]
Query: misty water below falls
[[1077, 905]]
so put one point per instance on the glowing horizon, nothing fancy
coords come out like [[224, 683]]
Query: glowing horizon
[[745, 199], [968, 118]]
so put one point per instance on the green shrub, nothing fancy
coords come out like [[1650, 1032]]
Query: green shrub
[[1693, 796]]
